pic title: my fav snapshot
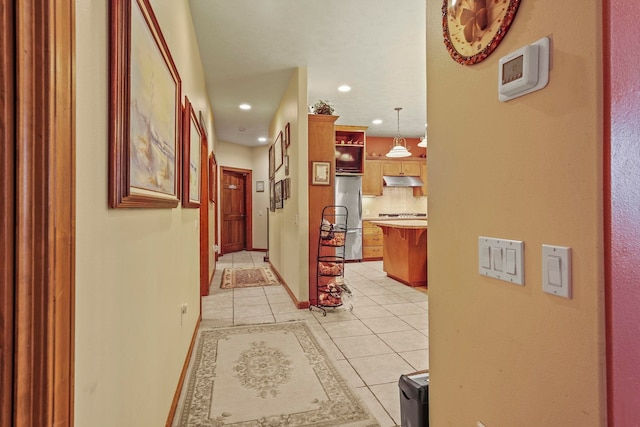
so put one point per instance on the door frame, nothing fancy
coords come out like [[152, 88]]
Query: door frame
[[248, 201]]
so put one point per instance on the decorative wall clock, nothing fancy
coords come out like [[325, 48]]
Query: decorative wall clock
[[472, 29]]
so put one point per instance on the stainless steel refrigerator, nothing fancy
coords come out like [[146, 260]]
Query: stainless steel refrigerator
[[349, 193]]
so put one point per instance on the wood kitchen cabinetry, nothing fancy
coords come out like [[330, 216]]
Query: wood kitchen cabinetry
[[422, 191], [372, 179], [371, 241], [401, 168], [321, 137]]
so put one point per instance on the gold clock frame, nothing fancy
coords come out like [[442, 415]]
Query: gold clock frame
[[486, 22]]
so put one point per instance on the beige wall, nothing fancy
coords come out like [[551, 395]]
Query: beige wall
[[288, 233], [529, 169], [134, 267]]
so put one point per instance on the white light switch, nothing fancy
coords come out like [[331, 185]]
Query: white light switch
[[485, 256], [496, 256], [510, 261], [556, 270], [505, 261]]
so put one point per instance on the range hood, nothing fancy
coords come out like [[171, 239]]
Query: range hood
[[402, 181]]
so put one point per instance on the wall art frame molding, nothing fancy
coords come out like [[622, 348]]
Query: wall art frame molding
[[287, 135], [145, 131], [278, 151], [191, 157]]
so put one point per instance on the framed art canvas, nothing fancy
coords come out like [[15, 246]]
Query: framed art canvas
[[191, 162], [287, 135], [278, 197], [272, 195], [272, 163], [259, 186], [213, 178], [320, 173], [278, 151], [145, 111]]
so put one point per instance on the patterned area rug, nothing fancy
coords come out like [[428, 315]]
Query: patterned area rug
[[247, 277], [272, 375]]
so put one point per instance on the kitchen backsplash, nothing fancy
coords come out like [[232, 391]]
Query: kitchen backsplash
[[394, 200]]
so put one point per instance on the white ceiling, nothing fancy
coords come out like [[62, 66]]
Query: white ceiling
[[250, 49]]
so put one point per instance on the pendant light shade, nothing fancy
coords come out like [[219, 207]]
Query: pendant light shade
[[423, 140], [399, 147]]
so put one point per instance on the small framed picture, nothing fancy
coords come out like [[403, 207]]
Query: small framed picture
[[320, 173], [287, 135], [286, 165], [260, 186], [278, 195], [272, 195]]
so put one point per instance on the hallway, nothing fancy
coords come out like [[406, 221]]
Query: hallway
[[385, 336]]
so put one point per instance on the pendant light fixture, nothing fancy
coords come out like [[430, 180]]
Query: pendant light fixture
[[423, 139], [399, 147]]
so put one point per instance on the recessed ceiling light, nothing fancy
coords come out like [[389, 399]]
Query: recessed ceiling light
[[245, 107], [376, 121], [262, 139], [344, 88]]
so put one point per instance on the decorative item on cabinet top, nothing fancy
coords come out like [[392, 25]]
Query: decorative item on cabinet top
[[322, 107]]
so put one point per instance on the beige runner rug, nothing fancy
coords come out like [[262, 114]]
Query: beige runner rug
[[247, 277], [271, 375]]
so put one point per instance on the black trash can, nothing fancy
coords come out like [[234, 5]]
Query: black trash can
[[414, 399]]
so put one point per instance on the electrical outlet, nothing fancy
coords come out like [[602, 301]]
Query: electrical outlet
[[183, 308]]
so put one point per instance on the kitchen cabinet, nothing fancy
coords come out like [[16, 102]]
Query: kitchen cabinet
[[321, 137], [401, 168], [422, 191], [372, 179], [371, 241], [404, 250]]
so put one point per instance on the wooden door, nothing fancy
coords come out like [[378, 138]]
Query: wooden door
[[236, 208]]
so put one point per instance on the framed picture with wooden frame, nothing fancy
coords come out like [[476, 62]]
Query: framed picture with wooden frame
[[286, 192], [191, 160], [272, 163], [321, 173], [287, 135], [203, 124], [278, 195], [278, 151], [272, 195], [145, 111], [213, 177]]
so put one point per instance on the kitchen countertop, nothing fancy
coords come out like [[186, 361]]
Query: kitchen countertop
[[394, 218], [401, 223]]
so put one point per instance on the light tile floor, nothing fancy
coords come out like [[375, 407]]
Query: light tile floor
[[385, 335]]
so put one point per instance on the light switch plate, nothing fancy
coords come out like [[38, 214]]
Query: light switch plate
[[506, 263], [556, 270]]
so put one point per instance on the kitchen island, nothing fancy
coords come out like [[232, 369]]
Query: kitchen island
[[404, 253]]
